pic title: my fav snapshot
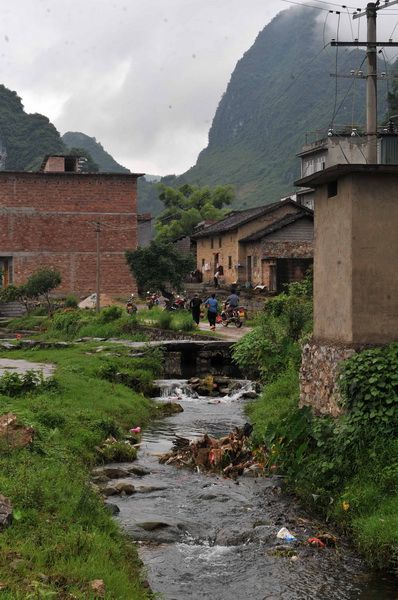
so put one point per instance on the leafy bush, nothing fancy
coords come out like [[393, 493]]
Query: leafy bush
[[117, 452], [266, 350], [165, 319], [110, 313], [51, 419], [71, 301], [369, 387], [17, 384], [68, 323]]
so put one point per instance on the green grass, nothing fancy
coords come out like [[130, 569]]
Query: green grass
[[62, 537], [32, 322], [180, 320], [71, 324], [275, 401], [356, 488]]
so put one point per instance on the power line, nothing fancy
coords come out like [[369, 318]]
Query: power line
[[306, 5], [334, 4]]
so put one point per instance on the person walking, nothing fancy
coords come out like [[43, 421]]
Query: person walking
[[194, 305], [216, 276], [212, 309]]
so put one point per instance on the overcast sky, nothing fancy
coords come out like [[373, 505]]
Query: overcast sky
[[142, 76]]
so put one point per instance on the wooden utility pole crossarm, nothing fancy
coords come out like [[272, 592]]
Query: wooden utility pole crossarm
[[371, 45]]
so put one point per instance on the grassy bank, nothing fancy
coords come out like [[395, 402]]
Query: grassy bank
[[62, 537], [112, 322], [344, 469]]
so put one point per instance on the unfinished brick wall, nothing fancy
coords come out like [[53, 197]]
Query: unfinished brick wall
[[48, 219]]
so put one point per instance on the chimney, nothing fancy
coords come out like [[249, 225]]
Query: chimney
[[60, 164]]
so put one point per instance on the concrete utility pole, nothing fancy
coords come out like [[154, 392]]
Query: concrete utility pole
[[98, 269], [371, 45], [371, 85]]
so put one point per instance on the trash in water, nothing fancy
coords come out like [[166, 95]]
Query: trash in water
[[230, 455], [316, 542], [328, 539], [135, 430], [284, 534]]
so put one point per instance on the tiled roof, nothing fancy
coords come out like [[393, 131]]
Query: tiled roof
[[287, 220], [237, 218]]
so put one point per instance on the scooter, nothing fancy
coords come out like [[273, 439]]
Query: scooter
[[235, 316]]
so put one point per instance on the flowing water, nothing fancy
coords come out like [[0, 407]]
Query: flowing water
[[202, 536]]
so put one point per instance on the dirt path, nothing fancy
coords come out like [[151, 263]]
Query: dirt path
[[230, 333]]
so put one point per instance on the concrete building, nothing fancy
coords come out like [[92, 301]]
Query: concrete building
[[339, 149], [144, 228], [355, 271], [281, 252], [49, 218], [254, 246]]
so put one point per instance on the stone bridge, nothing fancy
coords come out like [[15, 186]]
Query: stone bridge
[[186, 358]]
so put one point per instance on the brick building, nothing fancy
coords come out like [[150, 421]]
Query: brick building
[[267, 245], [49, 218]]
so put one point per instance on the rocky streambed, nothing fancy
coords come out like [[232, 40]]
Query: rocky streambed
[[205, 536]]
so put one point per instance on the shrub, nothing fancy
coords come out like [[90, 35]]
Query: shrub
[[369, 387], [68, 323], [165, 319], [71, 301], [50, 419], [117, 452], [16, 384], [109, 314]]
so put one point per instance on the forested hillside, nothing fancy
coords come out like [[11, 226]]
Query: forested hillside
[[279, 90], [105, 162], [27, 138]]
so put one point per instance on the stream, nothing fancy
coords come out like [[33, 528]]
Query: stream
[[202, 536]]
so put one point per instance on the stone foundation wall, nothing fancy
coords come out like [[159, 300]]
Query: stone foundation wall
[[320, 368]]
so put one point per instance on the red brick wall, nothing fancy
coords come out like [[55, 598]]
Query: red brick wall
[[48, 219]]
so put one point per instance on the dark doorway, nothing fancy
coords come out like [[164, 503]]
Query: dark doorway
[[289, 270], [249, 269]]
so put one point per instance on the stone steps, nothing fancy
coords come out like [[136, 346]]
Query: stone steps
[[12, 310]]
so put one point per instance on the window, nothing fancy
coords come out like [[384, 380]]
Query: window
[[332, 189], [203, 262], [229, 262], [220, 242], [212, 243]]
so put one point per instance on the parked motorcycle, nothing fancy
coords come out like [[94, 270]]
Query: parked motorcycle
[[152, 300], [178, 303], [235, 316], [131, 306]]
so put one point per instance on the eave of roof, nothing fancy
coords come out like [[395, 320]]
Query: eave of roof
[[42, 174], [222, 227], [332, 173], [284, 222]]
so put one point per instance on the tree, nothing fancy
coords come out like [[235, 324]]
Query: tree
[[393, 94], [38, 286], [88, 165], [41, 283], [159, 266], [186, 206]]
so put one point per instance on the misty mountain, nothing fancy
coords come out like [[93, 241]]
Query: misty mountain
[[280, 90], [105, 162]]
